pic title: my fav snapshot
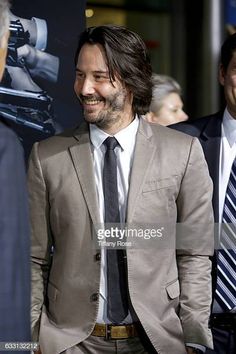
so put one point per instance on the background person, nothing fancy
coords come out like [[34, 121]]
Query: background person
[[14, 224], [166, 106], [217, 134]]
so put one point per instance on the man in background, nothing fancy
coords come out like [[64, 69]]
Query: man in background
[[217, 134], [14, 225]]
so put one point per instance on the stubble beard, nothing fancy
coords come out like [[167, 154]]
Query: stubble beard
[[112, 114]]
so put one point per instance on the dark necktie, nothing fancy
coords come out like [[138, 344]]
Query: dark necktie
[[226, 262], [117, 301]]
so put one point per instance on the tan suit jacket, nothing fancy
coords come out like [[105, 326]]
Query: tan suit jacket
[[170, 291]]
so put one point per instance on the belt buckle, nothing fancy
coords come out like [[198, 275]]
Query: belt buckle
[[107, 331]]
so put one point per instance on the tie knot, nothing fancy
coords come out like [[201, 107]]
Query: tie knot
[[110, 143]]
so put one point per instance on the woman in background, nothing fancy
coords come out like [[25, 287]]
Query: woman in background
[[166, 106]]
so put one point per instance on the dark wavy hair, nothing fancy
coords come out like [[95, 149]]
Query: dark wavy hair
[[127, 59], [227, 50]]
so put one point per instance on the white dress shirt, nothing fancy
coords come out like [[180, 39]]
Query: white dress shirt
[[124, 152], [227, 156]]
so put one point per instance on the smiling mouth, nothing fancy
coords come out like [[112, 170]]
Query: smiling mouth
[[91, 101]]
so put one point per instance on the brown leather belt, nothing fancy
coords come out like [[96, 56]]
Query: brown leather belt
[[114, 332]]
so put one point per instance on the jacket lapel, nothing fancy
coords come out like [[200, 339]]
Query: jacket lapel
[[81, 155], [210, 139], [143, 155]]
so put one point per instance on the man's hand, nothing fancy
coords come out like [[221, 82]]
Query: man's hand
[[21, 79], [38, 351], [39, 63]]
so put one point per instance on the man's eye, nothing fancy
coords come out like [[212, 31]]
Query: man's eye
[[79, 76], [100, 77]]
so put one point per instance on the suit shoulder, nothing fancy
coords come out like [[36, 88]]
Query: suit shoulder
[[177, 145], [57, 139], [195, 127], [56, 144], [171, 135]]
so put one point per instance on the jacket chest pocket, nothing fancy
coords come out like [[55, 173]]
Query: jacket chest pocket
[[160, 195], [157, 185]]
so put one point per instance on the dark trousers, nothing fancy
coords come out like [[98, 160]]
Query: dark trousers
[[224, 334]]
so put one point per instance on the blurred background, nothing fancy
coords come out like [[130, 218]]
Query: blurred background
[[183, 37]]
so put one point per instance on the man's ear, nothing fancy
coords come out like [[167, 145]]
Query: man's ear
[[221, 75]]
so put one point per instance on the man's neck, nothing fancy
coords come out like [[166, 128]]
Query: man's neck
[[121, 124]]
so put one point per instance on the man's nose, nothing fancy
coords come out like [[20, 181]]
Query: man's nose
[[87, 87], [184, 115]]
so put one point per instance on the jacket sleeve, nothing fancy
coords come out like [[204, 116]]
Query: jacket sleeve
[[195, 243], [41, 245]]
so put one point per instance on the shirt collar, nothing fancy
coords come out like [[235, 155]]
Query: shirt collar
[[229, 128], [125, 137]]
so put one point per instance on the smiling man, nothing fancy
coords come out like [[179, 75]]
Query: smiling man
[[106, 101], [117, 168]]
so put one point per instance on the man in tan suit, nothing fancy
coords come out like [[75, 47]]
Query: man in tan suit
[[161, 177]]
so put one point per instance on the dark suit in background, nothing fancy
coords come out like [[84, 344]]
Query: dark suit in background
[[217, 134], [14, 225], [14, 241], [208, 130]]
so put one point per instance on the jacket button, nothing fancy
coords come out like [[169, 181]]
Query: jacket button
[[98, 256], [94, 297]]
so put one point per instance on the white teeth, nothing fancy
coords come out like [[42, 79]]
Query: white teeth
[[91, 102]]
